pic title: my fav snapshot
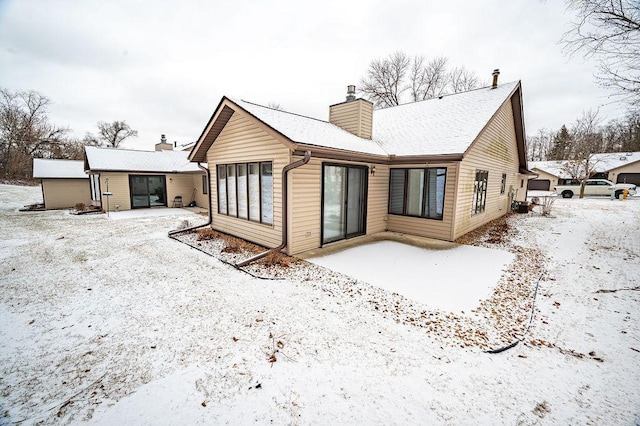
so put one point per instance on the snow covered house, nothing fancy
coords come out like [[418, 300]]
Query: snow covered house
[[618, 167], [438, 168], [139, 179], [64, 183]]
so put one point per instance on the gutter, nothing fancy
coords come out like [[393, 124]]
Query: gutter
[[285, 208], [178, 231]]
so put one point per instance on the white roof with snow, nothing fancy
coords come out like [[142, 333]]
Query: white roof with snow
[[602, 162], [445, 125], [309, 130], [164, 161], [58, 169]]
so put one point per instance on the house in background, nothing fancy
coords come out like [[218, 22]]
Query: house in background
[[142, 179], [437, 168], [64, 183], [618, 167]]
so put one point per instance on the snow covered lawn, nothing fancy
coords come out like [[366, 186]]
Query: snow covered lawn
[[110, 322], [450, 279]]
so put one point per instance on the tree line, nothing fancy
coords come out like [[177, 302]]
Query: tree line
[[27, 133], [587, 135]]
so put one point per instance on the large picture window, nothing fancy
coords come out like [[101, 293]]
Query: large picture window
[[479, 191], [417, 192], [245, 191]]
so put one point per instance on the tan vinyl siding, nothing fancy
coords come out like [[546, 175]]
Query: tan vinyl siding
[[548, 176], [430, 228], [627, 168], [305, 205], [378, 200], [64, 193], [355, 117], [243, 141], [119, 187], [182, 185], [495, 151], [202, 200]]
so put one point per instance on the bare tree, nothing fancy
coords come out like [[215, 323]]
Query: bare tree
[[587, 137], [385, 80], [462, 80], [428, 79], [388, 79], [609, 30], [25, 132], [275, 105], [110, 134], [539, 146]]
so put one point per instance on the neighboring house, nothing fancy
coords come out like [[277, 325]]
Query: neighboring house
[[64, 183], [140, 179], [618, 167], [437, 168]]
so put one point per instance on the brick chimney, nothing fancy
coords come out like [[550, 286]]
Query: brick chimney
[[164, 144], [353, 115]]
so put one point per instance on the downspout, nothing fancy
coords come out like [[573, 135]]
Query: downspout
[[177, 231], [285, 207]]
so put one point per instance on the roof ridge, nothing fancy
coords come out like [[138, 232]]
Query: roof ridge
[[443, 96], [286, 112], [109, 148]]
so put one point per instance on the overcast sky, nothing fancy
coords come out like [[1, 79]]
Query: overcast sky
[[162, 66]]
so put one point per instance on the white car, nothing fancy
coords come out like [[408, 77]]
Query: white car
[[596, 187]]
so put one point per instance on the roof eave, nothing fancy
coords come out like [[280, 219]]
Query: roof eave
[[143, 171], [339, 154], [427, 158], [225, 109], [515, 97]]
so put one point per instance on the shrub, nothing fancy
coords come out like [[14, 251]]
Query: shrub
[[276, 259], [207, 234], [80, 207]]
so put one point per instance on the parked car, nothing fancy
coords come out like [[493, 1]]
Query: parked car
[[596, 187]]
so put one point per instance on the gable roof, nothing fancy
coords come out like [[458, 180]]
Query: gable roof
[[444, 126], [128, 160], [58, 169], [604, 162]]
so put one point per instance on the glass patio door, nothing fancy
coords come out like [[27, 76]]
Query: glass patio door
[[344, 190], [147, 191]]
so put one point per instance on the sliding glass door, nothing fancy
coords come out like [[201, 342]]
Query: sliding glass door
[[147, 191], [344, 198]]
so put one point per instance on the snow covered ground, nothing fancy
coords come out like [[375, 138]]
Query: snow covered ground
[[450, 279], [109, 321]]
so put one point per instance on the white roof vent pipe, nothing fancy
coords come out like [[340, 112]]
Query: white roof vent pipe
[[351, 93]]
